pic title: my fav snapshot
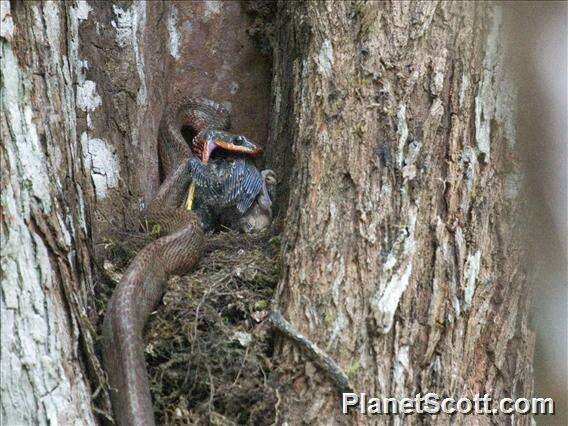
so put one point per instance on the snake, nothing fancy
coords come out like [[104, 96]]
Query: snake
[[230, 191]]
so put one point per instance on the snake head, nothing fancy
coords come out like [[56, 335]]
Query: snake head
[[238, 144], [208, 141]]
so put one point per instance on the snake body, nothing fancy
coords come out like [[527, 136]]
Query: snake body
[[230, 184]]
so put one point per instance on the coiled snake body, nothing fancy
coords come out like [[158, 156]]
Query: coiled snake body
[[230, 190]]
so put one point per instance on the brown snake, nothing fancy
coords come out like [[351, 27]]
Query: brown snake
[[175, 252]]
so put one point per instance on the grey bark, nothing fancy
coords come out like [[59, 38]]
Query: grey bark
[[79, 159], [393, 128], [46, 263]]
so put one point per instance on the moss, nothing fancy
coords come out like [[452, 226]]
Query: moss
[[353, 369], [261, 305]]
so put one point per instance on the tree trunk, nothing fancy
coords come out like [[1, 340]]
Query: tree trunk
[[80, 110], [46, 261], [393, 128]]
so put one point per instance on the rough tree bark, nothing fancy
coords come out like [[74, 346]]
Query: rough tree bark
[[393, 124], [46, 262], [80, 103]]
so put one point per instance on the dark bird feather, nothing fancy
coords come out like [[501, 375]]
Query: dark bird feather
[[227, 185]]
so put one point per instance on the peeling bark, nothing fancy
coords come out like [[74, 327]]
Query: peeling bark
[[122, 90], [393, 123]]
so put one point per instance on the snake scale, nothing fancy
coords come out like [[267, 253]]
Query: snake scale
[[231, 191]]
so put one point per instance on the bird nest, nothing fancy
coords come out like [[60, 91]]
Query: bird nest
[[208, 351]]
